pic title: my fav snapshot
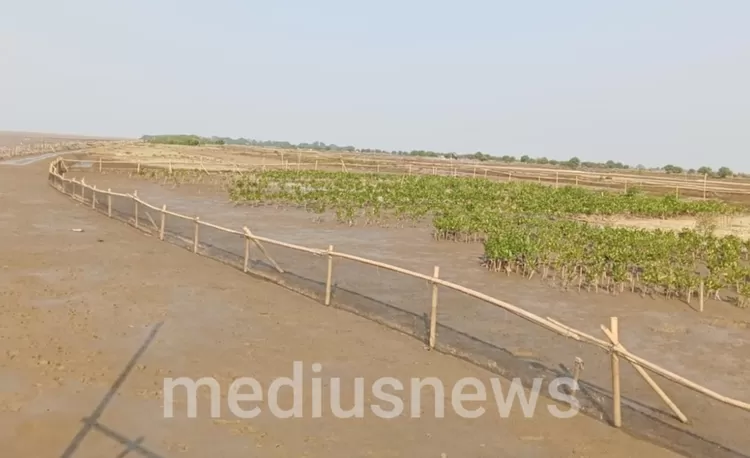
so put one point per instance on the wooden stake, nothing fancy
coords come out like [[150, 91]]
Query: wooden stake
[[616, 399], [247, 254], [100, 165], [109, 202], [329, 275], [433, 314], [163, 221], [700, 295], [93, 198], [151, 220], [262, 249], [138, 171], [135, 204], [195, 235], [577, 368], [650, 381]]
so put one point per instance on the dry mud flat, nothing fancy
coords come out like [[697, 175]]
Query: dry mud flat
[[86, 313], [666, 332], [8, 138]]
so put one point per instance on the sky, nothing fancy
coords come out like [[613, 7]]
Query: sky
[[649, 82]]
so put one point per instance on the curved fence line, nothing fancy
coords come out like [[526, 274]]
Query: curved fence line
[[612, 346], [598, 180]]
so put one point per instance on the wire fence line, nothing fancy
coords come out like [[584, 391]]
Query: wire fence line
[[314, 273], [701, 188]]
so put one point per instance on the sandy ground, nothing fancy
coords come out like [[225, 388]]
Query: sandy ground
[[25, 144], [10, 138], [739, 226], [78, 306]]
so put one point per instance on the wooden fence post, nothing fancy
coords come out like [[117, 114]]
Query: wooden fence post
[[135, 206], [329, 275], [195, 236], [163, 221], [247, 253], [616, 399], [700, 297], [433, 314], [577, 369], [109, 202], [262, 250], [647, 378]]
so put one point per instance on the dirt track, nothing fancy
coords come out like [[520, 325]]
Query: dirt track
[[78, 305]]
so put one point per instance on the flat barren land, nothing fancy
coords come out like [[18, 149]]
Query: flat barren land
[[93, 320], [22, 144]]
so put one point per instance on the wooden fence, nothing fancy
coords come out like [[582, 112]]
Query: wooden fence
[[686, 187], [609, 344]]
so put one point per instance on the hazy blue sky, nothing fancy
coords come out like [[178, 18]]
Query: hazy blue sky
[[638, 81]]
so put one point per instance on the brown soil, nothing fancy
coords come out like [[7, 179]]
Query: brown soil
[[78, 306]]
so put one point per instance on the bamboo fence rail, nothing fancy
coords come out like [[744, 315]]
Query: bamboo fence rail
[[612, 345], [599, 180]]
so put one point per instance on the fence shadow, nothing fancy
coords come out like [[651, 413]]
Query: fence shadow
[[91, 423]]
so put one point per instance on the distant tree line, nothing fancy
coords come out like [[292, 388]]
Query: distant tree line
[[187, 140], [722, 172], [572, 163]]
